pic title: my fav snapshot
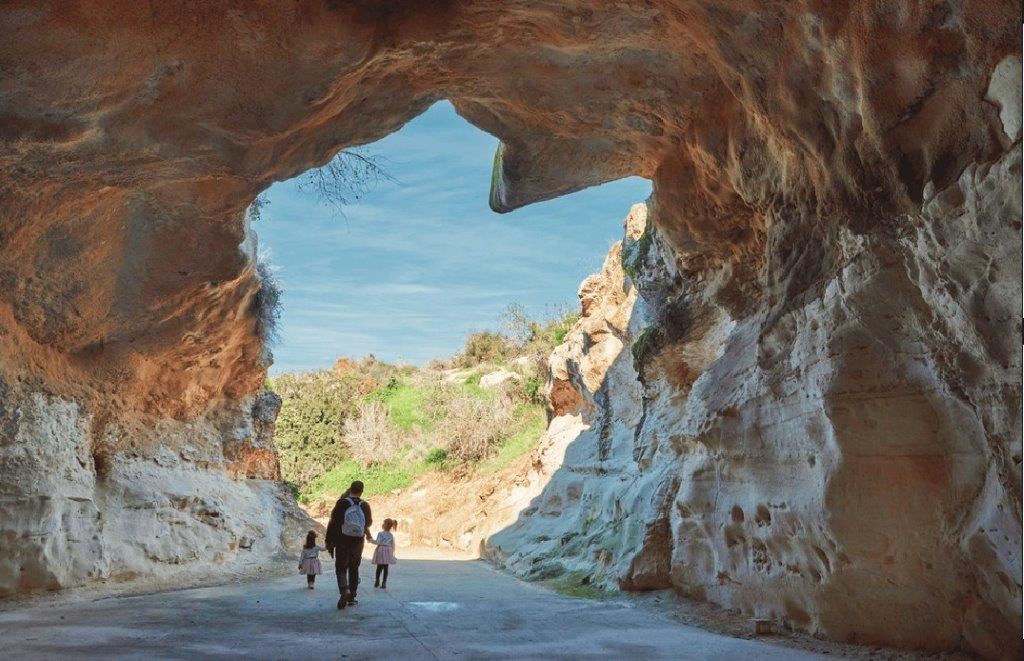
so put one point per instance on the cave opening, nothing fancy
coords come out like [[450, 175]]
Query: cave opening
[[414, 322], [420, 260]]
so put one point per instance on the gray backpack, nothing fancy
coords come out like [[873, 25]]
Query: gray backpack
[[355, 520]]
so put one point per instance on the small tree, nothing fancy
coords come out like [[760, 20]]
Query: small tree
[[343, 180], [518, 325]]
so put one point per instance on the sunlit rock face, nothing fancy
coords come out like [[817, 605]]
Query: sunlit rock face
[[75, 510], [842, 473], [821, 421]]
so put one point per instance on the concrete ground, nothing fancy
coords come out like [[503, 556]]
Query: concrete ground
[[433, 609]]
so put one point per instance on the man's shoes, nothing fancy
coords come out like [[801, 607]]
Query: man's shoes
[[376, 585], [344, 600], [384, 587], [353, 601]]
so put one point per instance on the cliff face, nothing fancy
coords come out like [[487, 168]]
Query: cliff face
[[815, 409], [83, 500], [850, 469]]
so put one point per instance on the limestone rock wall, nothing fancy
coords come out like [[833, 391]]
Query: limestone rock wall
[[848, 464], [71, 514]]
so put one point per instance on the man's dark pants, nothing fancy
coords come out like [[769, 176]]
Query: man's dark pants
[[347, 556]]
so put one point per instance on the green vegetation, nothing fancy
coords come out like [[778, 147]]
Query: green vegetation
[[643, 346], [578, 584], [308, 432], [388, 424], [437, 457], [634, 254], [472, 384], [406, 404], [487, 347], [533, 387], [379, 478], [520, 442], [267, 305], [496, 166], [562, 330]]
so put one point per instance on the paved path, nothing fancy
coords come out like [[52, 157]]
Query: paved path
[[434, 609]]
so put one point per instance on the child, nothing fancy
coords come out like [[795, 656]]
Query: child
[[384, 554], [309, 560]]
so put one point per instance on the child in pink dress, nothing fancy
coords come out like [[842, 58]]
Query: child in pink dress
[[384, 554], [309, 560]]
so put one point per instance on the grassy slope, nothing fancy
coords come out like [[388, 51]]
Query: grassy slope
[[428, 421], [407, 405], [408, 408], [379, 479], [520, 442]]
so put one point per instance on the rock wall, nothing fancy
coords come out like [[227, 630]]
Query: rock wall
[[850, 467], [71, 513], [825, 408]]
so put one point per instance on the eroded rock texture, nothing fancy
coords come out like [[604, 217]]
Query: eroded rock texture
[[83, 499], [843, 473], [823, 423]]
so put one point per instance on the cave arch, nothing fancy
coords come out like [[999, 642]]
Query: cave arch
[[792, 146]]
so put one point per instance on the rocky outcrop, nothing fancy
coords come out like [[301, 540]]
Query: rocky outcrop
[[249, 450], [825, 352], [73, 510], [498, 377], [850, 464]]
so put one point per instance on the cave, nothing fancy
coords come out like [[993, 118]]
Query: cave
[[825, 418]]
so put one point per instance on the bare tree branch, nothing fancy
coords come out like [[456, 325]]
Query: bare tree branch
[[345, 179]]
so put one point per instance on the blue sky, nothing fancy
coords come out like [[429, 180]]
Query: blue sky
[[413, 267]]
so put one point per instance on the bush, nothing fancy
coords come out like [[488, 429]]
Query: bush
[[266, 305], [563, 326], [473, 428], [643, 346], [487, 347], [309, 428], [635, 254], [369, 435], [437, 457], [532, 387]]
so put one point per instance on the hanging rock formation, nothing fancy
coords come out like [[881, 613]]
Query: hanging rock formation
[[823, 425]]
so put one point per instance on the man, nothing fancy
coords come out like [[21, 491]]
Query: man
[[348, 528]]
